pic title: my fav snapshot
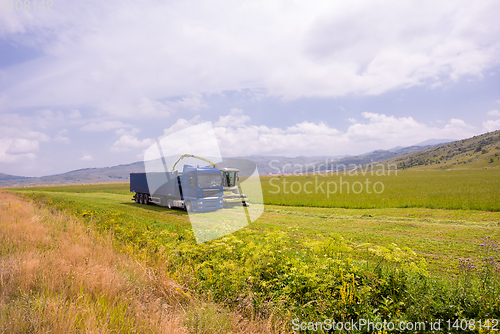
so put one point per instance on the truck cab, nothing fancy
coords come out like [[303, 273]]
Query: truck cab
[[202, 188]]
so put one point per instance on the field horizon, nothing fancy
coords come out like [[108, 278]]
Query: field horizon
[[476, 152]]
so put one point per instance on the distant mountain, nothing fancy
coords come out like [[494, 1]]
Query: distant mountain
[[281, 165], [435, 142], [476, 152], [4, 177], [88, 175], [371, 157], [278, 164]]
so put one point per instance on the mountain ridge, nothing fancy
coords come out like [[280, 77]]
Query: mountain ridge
[[481, 151]]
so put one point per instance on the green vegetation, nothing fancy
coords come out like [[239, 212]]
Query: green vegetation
[[437, 189], [111, 188], [314, 263], [476, 152], [57, 275]]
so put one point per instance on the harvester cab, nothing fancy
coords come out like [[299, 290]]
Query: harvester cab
[[229, 177], [232, 191]]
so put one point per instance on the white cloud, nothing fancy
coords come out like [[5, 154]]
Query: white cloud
[[86, 158], [74, 114], [19, 142], [252, 139], [494, 113], [181, 124], [15, 150], [457, 125], [306, 138], [133, 131], [234, 119], [315, 129], [104, 126], [33, 135], [117, 55], [143, 107], [128, 141], [47, 118], [21, 126], [150, 108], [387, 127], [192, 102], [45, 113], [21, 145], [61, 137], [491, 125]]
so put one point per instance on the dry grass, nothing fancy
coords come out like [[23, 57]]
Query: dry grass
[[58, 276]]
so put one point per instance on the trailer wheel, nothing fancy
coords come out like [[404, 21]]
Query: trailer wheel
[[146, 199], [169, 203], [189, 206], [137, 198]]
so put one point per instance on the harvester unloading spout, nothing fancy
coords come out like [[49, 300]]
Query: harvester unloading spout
[[192, 156]]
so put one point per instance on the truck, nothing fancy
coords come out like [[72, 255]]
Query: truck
[[195, 189]]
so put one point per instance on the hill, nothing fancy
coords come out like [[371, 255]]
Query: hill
[[271, 164], [5, 177], [477, 152], [118, 173], [435, 142], [375, 156]]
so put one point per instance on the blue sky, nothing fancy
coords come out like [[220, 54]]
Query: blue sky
[[93, 84]]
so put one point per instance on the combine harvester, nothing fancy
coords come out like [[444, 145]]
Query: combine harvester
[[196, 188]]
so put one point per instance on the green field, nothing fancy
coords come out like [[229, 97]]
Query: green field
[[382, 256], [468, 189], [437, 189]]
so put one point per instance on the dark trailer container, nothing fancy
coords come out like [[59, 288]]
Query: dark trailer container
[[195, 189]]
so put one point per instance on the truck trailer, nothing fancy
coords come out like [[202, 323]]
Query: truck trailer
[[196, 188]]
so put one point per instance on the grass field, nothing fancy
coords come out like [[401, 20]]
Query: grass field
[[468, 189], [476, 189], [59, 276], [417, 244], [437, 234]]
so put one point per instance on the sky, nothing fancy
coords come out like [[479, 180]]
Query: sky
[[95, 83]]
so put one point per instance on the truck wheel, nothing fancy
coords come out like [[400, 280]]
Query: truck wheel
[[189, 207], [146, 199], [137, 198], [169, 203]]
